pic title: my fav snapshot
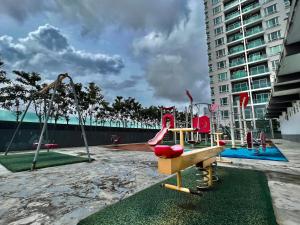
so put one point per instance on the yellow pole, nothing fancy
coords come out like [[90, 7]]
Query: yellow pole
[[181, 138]]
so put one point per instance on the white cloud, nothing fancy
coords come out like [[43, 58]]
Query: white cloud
[[47, 49]]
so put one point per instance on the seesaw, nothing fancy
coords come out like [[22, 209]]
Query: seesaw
[[204, 159]]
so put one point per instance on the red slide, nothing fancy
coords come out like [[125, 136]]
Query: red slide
[[158, 137]]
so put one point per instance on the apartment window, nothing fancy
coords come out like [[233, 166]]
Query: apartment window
[[275, 50], [275, 64], [213, 101], [218, 20], [270, 10], [223, 88], [213, 2], [220, 53], [216, 10], [219, 42], [224, 114], [224, 101], [272, 22], [219, 30], [221, 64], [287, 3], [211, 78], [210, 67], [209, 56], [208, 45], [274, 35], [222, 76], [212, 91]]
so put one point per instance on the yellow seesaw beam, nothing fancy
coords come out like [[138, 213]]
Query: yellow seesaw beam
[[187, 159]]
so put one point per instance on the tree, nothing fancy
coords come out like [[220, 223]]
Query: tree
[[4, 81]]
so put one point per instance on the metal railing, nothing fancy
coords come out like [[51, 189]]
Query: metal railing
[[237, 62], [253, 58], [252, 19], [250, 7], [236, 49], [238, 74], [255, 43]]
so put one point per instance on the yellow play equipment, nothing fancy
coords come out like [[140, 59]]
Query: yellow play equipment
[[204, 159]]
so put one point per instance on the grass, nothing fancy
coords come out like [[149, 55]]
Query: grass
[[22, 162], [242, 197]]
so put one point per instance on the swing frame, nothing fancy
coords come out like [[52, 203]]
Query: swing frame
[[54, 85]]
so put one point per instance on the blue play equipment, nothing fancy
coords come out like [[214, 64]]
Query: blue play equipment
[[271, 153]]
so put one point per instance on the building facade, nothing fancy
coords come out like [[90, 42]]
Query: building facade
[[284, 103], [244, 39]]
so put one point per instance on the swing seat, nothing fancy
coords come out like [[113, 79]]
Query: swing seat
[[48, 146], [222, 143], [51, 146], [166, 151], [192, 142]]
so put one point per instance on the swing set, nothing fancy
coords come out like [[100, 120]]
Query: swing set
[[53, 86]]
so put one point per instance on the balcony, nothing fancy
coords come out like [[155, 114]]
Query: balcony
[[239, 74], [261, 84], [230, 4], [237, 62], [236, 49], [252, 19], [260, 100], [256, 43], [232, 15], [234, 38], [250, 7], [255, 57], [240, 88], [233, 26], [253, 31], [258, 70]]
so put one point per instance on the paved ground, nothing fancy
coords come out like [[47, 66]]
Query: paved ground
[[283, 181], [67, 194]]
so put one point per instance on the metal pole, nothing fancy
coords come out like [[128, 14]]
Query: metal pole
[[80, 119], [18, 127], [192, 136], [211, 129], [44, 126], [244, 118], [174, 115], [231, 121], [271, 128], [240, 123]]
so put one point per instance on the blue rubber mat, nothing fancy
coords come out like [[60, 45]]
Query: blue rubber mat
[[271, 153]]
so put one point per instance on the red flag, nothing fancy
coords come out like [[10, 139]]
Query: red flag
[[189, 95]]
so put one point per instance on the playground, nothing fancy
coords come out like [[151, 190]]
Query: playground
[[191, 172]]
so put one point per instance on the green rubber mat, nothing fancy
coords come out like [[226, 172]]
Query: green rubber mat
[[22, 162], [241, 197]]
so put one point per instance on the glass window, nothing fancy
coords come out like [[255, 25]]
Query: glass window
[[219, 30], [209, 56], [272, 22], [220, 53], [225, 114], [219, 42], [222, 76], [224, 101], [210, 67], [275, 64], [211, 78], [221, 64], [270, 9], [216, 10], [212, 90], [274, 35], [213, 2], [275, 49], [218, 20], [223, 88]]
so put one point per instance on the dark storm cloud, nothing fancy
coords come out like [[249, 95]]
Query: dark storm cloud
[[177, 61], [46, 49], [22, 9]]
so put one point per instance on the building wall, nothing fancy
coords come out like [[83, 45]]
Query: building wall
[[69, 135], [281, 12], [289, 123]]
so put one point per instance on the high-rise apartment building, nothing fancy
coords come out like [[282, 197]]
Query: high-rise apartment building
[[244, 39]]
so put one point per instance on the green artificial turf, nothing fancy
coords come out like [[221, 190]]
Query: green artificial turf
[[22, 162], [242, 197]]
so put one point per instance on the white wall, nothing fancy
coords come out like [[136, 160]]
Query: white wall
[[292, 124]]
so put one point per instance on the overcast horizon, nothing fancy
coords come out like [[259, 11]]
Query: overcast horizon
[[150, 50]]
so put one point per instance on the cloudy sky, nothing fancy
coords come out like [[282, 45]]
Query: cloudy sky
[[151, 50]]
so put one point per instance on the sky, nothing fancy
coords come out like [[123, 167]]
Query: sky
[[150, 50]]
